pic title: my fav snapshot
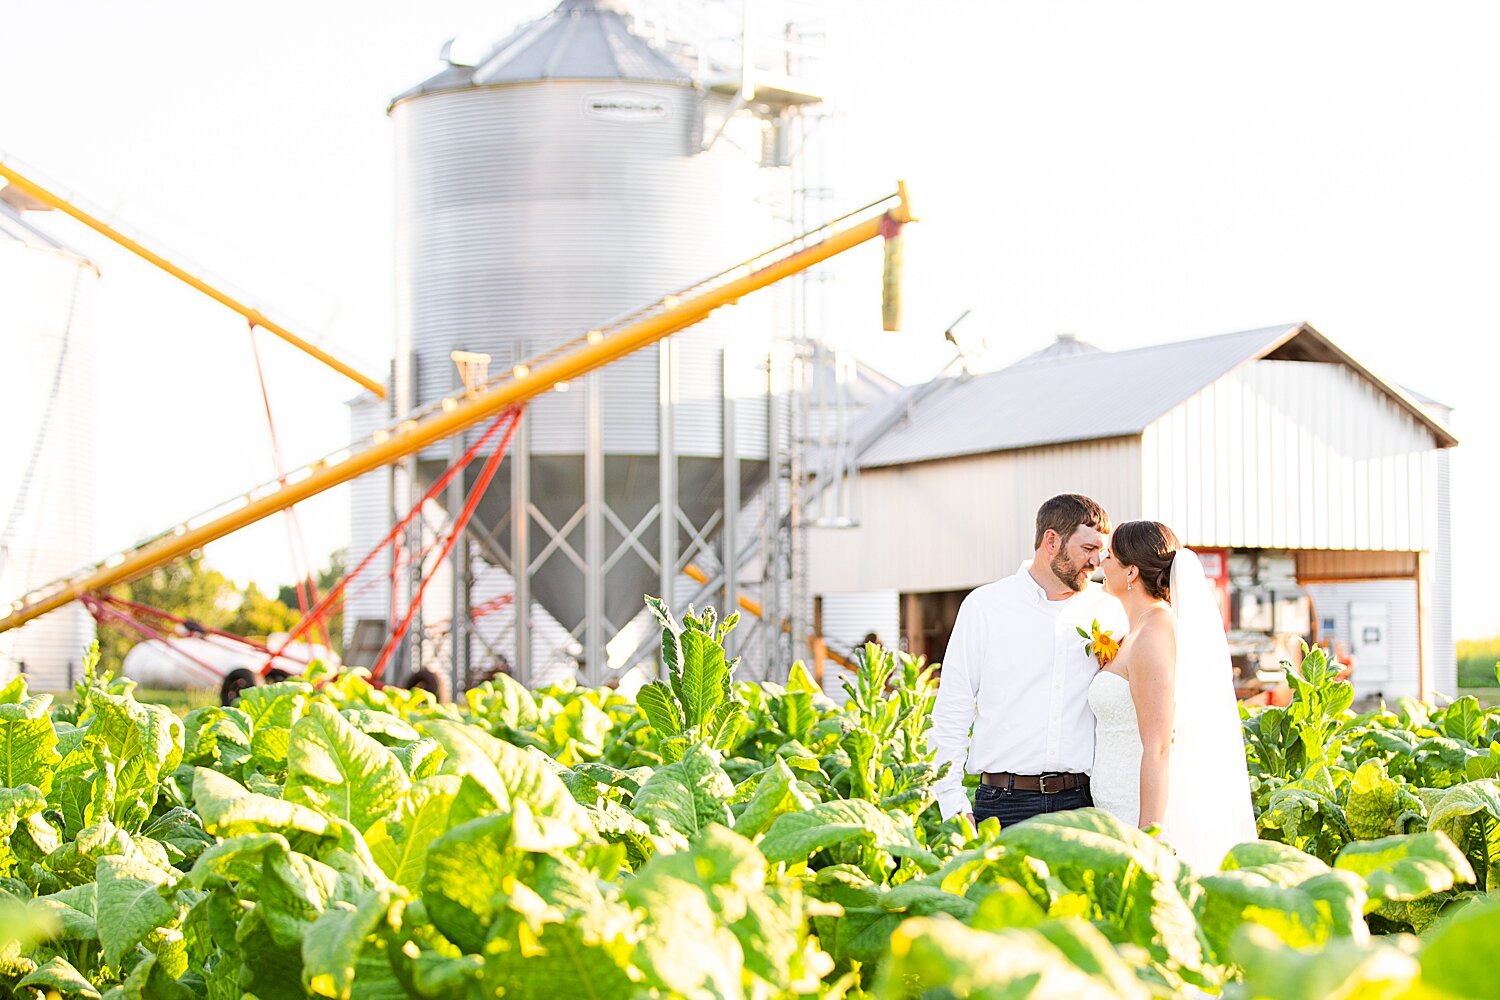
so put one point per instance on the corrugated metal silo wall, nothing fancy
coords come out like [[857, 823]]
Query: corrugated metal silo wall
[[369, 520], [1332, 600], [46, 396], [525, 220]]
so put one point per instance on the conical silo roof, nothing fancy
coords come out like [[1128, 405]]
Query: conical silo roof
[[578, 40]]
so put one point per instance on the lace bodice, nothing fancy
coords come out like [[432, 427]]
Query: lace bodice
[[1116, 779]]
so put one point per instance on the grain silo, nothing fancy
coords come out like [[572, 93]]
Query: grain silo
[[573, 174], [46, 392]]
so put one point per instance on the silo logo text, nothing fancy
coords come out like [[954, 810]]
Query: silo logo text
[[626, 106]]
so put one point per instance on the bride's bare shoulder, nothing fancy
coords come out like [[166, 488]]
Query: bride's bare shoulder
[[1155, 641]]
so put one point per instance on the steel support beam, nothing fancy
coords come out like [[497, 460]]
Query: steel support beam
[[593, 535], [520, 545], [728, 540], [667, 473]]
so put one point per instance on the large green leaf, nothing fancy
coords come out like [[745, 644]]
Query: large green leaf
[[421, 757], [472, 871], [1341, 968], [74, 909], [294, 890], [871, 912], [564, 962], [1320, 909], [57, 974], [678, 891], [1280, 864], [687, 796], [705, 677], [181, 832], [28, 754], [229, 808], [389, 729], [217, 734], [131, 904], [341, 771], [136, 731], [1406, 867], [1378, 805], [1460, 949], [1131, 880], [151, 980], [17, 807], [671, 645], [334, 945], [777, 792], [507, 772], [236, 859], [275, 704], [1464, 720], [399, 842], [938, 956], [1470, 815], [797, 836], [655, 699]]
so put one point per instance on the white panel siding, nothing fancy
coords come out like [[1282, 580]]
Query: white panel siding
[[958, 523], [1332, 600], [1288, 454], [1444, 673], [848, 618]]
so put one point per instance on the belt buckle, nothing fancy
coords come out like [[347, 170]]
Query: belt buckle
[[1042, 784]]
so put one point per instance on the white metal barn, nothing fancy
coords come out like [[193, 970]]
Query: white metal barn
[[1319, 490]]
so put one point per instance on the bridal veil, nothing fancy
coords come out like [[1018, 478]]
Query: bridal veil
[[1208, 802]]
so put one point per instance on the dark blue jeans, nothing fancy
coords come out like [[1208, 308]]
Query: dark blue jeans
[[1014, 806]]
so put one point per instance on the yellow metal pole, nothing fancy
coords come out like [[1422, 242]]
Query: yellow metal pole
[[415, 434], [253, 315]]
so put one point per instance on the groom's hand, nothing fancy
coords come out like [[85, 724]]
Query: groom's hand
[[973, 824]]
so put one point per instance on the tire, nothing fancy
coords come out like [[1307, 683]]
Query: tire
[[277, 675], [236, 681], [430, 681]]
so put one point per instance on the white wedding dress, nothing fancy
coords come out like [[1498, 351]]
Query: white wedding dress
[[1208, 785], [1116, 780]]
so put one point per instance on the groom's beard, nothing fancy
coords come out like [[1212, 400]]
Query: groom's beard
[[1070, 574]]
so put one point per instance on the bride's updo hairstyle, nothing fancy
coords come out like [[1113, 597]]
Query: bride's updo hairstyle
[[1149, 546]]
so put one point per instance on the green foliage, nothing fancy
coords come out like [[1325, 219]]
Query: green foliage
[[709, 837], [189, 587], [1478, 662]]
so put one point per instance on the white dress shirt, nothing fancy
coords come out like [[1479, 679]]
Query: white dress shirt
[[1016, 674]]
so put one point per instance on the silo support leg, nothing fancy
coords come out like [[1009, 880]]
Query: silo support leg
[[593, 533], [728, 541], [667, 481], [520, 547]]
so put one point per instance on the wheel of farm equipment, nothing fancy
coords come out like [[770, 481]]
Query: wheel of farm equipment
[[429, 680], [236, 681], [276, 676]]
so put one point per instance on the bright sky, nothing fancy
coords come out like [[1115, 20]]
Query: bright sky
[[1130, 173]]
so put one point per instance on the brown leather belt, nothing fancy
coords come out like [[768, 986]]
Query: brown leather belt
[[1047, 784]]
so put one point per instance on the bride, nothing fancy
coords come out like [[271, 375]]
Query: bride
[[1167, 743]]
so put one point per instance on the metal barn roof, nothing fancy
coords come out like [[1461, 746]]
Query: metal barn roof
[[1076, 394], [578, 40]]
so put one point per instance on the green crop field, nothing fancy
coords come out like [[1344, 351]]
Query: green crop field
[[711, 838]]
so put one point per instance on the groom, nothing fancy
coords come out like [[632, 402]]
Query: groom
[[1016, 673]]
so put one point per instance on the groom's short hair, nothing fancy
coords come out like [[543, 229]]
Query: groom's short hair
[[1065, 512]]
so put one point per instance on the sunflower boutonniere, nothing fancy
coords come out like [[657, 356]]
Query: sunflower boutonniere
[[1099, 644]]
